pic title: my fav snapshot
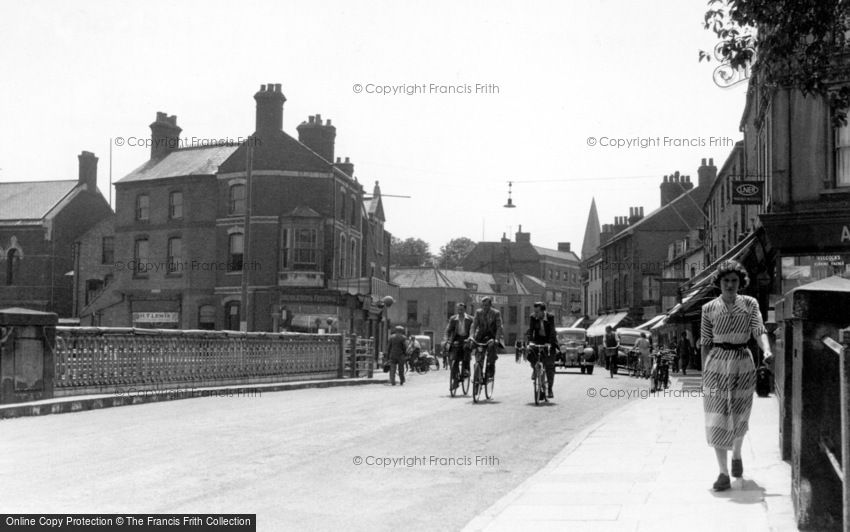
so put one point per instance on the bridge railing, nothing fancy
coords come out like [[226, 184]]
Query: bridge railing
[[91, 359]]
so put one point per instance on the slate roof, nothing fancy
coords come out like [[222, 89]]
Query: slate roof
[[563, 255], [204, 160], [462, 279], [32, 200]]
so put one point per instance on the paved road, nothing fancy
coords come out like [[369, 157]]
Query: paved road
[[290, 456]]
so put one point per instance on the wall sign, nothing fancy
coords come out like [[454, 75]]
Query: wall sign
[[747, 192]]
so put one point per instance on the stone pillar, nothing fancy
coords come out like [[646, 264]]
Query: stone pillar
[[27, 341]]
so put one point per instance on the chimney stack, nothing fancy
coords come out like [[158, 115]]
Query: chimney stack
[[319, 137], [347, 167], [270, 102], [635, 214], [505, 239], [522, 238], [564, 246], [673, 186], [165, 135], [706, 174], [88, 170]]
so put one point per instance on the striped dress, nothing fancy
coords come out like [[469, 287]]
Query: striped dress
[[728, 377]]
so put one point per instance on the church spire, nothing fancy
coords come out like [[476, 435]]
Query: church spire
[[590, 244]]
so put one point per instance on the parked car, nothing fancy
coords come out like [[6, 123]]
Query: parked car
[[573, 341]]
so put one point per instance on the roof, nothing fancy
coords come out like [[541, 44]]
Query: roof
[[419, 278], [690, 199], [204, 160], [32, 200], [460, 279], [563, 255]]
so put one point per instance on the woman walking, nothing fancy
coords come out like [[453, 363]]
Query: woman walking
[[729, 377]]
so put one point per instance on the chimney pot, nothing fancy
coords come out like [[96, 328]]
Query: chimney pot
[[703, 161], [338, 160], [262, 88], [277, 87], [328, 122], [311, 119], [711, 162]]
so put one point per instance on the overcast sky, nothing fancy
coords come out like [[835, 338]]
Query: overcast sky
[[77, 74]]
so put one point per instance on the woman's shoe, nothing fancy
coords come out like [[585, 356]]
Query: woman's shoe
[[737, 468], [722, 483]]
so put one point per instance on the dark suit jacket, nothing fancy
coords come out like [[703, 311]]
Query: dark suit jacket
[[548, 337], [485, 328]]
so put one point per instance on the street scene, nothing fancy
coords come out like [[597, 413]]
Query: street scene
[[456, 266]]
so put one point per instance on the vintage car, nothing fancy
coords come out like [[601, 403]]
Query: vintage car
[[574, 349]]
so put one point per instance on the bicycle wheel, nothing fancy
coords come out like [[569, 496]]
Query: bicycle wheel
[[488, 385], [464, 385], [476, 383], [453, 378], [421, 368], [544, 385]]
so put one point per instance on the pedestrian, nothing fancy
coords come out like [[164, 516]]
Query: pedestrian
[[612, 346], [685, 350], [729, 378], [397, 351], [643, 347]]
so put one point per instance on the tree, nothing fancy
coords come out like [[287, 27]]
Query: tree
[[410, 253], [785, 43], [453, 253]]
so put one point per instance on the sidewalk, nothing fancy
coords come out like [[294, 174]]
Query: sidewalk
[[127, 395], [647, 466]]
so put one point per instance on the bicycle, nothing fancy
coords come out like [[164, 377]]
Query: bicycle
[[541, 381], [661, 370], [455, 378], [479, 381]]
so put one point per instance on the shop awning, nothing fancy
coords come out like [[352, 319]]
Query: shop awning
[[648, 325], [698, 289], [598, 327]]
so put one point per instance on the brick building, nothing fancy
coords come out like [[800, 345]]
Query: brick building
[[314, 257], [636, 248], [552, 275], [39, 223]]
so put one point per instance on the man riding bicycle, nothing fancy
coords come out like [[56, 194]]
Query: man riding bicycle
[[457, 330], [487, 326], [541, 331]]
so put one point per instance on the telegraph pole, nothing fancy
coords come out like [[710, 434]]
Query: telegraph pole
[[244, 303]]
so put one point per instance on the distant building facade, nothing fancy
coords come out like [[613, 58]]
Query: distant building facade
[[428, 297], [553, 275], [39, 223]]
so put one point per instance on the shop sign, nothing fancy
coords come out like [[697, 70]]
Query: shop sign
[[747, 192], [155, 317], [497, 300]]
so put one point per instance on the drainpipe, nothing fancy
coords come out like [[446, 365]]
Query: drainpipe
[[790, 157]]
